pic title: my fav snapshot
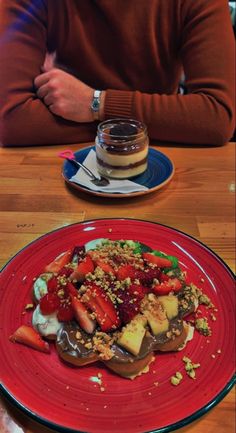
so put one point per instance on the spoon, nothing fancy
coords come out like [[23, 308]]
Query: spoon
[[70, 156]]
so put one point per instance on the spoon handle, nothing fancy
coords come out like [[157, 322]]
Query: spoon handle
[[79, 164]]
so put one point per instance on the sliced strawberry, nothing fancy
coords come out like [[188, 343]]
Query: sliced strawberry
[[65, 271], [59, 262], [83, 268], [163, 277], [82, 315], [161, 262], [126, 271], [137, 291], [49, 303], [106, 314], [172, 285], [65, 312], [108, 269], [28, 336], [52, 285], [147, 276], [70, 289]]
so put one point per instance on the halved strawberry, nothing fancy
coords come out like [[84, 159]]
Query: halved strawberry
[[172, 285], [49, 303], [70, 289], [53, 285], [137, 290], [98, 301], [82, 315], [65, 312], [94, 255], [59, 262], [126, 271], [163, 277], [161, 262], [28, 336], [108, 269], [84, 267]]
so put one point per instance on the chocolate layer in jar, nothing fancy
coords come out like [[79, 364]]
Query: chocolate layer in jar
[[121, 148]]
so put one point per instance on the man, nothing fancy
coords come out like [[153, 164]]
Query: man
[[115, 58]]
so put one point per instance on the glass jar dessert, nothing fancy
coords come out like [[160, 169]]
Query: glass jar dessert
[[121, 148]]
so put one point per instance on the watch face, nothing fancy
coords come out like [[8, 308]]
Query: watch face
[[95, 104]]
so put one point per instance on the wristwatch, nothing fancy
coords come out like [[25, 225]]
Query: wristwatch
[[95, 104]]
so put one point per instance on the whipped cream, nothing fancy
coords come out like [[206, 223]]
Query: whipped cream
[[46, 325], [40, 285]]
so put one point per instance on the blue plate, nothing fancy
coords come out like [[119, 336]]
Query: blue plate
[[159, 172]]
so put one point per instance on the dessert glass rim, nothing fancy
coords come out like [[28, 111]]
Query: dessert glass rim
[[101, 132]]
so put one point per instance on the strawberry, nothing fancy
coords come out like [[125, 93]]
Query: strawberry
[[52, 285], [93, 254], [172, 285], [129, 307], [161, 262], [49, 303], [126, 271], [82, 315], [57, 264], [65, 271], [108, 269], [70, 289], [137, 291], [65, 312], [98, 301], [84, 267], [147, 276], [163, 277], [28, 336]]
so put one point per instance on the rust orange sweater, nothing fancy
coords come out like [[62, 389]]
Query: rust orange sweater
[[136, 50]]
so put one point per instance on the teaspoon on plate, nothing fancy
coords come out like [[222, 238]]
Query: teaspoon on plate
[[70, 156]]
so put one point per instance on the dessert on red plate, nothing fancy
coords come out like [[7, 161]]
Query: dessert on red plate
[[118, 302]]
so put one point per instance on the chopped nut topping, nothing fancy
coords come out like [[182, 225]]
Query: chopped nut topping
[[202, 326], [175, 380]]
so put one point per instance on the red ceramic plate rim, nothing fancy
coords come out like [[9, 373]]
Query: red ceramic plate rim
[[121, 226]]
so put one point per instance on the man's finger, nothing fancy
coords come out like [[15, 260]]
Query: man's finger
[[42, 91], [48, 99], [49, 62], [41, 79]]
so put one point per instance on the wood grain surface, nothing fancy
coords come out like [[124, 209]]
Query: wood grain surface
[[200, 200]]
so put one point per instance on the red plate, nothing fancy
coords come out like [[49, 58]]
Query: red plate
[[67, 398]]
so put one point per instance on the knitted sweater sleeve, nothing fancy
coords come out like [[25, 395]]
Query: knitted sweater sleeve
[[205, 115], [24, 119]]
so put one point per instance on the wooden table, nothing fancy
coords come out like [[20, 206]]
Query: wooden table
[[199, 201]]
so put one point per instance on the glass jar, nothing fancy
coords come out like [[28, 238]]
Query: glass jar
[[121, 148]]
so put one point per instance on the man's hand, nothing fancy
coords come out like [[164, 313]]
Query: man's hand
[[65, 95]]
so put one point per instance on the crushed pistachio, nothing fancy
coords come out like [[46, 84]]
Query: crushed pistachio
[[29, 306], [175, 380], [190, 367], [203, 299], [202, 326]]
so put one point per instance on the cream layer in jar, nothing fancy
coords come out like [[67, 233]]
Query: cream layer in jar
[[121, 148]]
